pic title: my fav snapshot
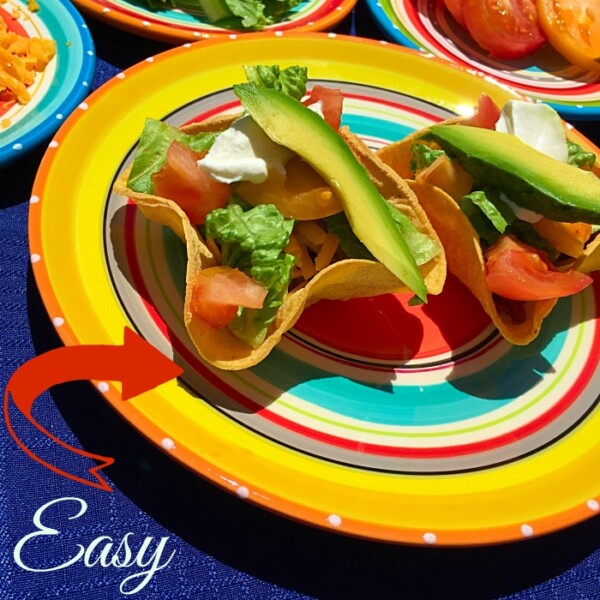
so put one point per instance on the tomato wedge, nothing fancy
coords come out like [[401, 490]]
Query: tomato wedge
[[217, 293], [181, 180], [573, 29], [520, 272], [505, 28], [486, 114], [456, 9], [331, 100]]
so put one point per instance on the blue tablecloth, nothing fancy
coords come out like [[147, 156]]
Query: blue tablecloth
[[188, 539]]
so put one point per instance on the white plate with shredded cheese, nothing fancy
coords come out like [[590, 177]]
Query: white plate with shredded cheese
[[47, 61]]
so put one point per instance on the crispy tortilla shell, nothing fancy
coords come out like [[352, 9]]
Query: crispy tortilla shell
[[339, 281], [518, 322]]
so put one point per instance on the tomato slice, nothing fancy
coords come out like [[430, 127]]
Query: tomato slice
[[331, 100], [217, 293], [456, 9], [505, 28], [486, 114], [181, 180], [520, 272], [573, 29]]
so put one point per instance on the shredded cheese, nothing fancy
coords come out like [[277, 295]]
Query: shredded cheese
[[327, 251], [313, 248], [21, 58]]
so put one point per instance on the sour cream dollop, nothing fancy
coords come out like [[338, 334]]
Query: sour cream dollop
[[244, 152]]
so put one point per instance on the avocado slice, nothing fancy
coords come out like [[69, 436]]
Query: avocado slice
[[531, 179], [291, 124]]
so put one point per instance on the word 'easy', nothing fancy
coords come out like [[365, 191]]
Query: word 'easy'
[[103, 551]]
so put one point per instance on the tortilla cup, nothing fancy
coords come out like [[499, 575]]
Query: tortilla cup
[[519, 322], [349, 278]]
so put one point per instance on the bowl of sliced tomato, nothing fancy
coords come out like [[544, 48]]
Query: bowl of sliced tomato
[[548, 50]]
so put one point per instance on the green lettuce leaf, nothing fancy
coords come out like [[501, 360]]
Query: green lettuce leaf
[[579, 157], [151, 152], [250, 14], [290, 81], [254, 241], [488, 229], [233, 14], [351, 246], [491, 217], [489, 203], [421, 246], [422, 156]]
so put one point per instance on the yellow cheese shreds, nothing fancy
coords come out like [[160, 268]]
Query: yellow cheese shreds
[[310, 239], [20, 59], [304, 263], [327, 251], [312, 232]]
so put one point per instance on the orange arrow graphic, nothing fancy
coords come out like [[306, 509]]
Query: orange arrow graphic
[[137, 364]]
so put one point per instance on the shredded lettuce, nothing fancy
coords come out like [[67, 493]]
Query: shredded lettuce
[[253, 241], [290, 81], [422, 156], [579, 157], [234, 14], [351, 246], [151, 152], [491, 217], [156, 136], [421, 246]]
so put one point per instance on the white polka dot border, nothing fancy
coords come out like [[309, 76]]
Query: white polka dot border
[[58, 321], [429, 538], [334, 520], [526, 530], [242, 491], [593, 505], [167, 444], [35, 258], [103, 387]]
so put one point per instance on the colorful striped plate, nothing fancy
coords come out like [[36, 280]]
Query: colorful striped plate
[[372, 418], [544, 75], [61, 87], [176, 25]]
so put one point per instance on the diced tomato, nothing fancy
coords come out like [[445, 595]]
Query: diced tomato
[[456, 9], [520, 272], [486, 114], [217, 293], [181, 180], [505, 28], [573, 29], [331, 100]]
